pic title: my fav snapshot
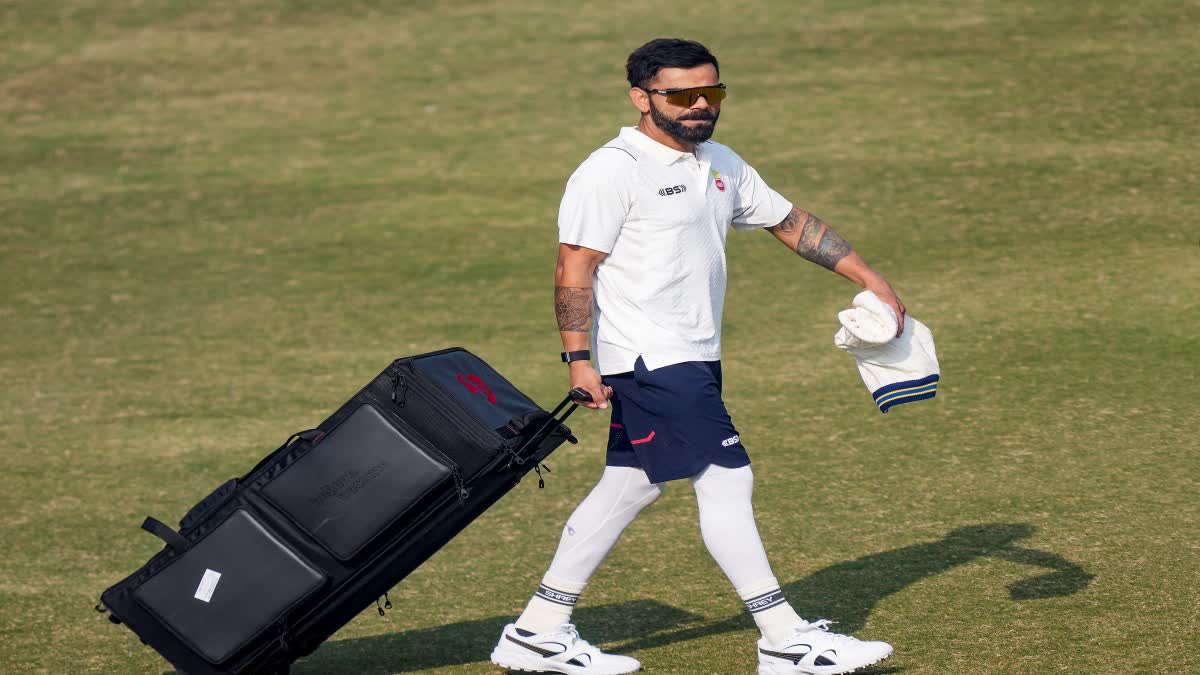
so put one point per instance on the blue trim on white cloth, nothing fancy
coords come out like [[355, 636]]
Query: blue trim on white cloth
[[906, 392]]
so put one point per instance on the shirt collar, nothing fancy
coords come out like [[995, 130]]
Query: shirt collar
[[655, 149]]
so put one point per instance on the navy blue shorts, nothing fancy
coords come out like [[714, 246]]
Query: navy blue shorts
[[671, 422]]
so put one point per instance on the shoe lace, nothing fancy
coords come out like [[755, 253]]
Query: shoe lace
[[578, 644], [823, 625]]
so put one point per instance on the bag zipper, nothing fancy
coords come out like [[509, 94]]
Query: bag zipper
[[460, 486], [505, 450], [404, 385], [352, 580], [346, 586]]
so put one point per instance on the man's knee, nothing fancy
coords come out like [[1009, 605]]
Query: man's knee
[[719, 482]]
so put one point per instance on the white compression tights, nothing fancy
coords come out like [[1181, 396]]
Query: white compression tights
[[598, 521], [731, 535], [590, 533], [726, 523]]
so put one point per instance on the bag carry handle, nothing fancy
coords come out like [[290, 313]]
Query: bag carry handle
[[312, 435], [170, 537], [574, 397]]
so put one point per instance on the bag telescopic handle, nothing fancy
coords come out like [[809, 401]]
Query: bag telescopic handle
[[578, 394]]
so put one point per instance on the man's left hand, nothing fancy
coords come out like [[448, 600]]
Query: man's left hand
[[883, 289]]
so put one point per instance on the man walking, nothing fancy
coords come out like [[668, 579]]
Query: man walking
[[642, 230]]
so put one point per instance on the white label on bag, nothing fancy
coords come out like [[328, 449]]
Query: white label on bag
[[208, 584]]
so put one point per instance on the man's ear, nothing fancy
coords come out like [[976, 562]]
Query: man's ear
[[641, 100]]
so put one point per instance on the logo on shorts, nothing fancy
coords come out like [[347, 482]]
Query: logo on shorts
[[732, 440], [475, 385], [720, 185], [673, 190]]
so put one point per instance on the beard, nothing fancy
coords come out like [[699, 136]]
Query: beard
[[675, 128]]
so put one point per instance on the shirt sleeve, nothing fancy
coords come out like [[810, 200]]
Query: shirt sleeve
[[757, 204], [597, 200]]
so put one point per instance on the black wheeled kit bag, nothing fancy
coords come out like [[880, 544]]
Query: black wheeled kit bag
[[271, 564]]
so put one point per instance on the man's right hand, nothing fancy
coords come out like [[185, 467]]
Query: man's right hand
[[587, 378]]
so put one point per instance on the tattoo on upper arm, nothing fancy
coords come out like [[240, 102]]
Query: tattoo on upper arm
[[818, 242], [573, 307], [788, 224]]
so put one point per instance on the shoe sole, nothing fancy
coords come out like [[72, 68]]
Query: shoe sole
[[518, 663], [523, 670], [771, 669], [517, 668]]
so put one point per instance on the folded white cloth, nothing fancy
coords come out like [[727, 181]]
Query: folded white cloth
[[869, 321], [895, 369]]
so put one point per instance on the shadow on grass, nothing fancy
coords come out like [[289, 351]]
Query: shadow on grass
[[845, 592], [471, 641]]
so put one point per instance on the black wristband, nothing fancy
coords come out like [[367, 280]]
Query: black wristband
[[581, 355]]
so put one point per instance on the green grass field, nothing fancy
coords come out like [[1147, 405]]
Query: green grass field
[[217, 220]]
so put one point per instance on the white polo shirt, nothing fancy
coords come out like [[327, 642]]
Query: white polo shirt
[[661, 215]]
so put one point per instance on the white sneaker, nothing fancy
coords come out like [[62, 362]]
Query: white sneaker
[[559, 651], [812, 649]]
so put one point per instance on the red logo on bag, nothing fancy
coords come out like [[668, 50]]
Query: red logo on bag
[[475, 385]]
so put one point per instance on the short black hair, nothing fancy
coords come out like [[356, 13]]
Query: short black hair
[[645, 61]]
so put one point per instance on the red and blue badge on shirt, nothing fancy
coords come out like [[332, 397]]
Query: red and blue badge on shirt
[[717, 180]]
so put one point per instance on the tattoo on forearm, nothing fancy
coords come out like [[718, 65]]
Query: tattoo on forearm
[[818, 242], [573, 307]]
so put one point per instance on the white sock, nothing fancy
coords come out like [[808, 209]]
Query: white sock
[[550, 606], [772, 614], [590, 533], [731, 535]]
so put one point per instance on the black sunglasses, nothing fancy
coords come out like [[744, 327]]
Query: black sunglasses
[[686, 98]]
